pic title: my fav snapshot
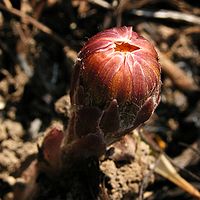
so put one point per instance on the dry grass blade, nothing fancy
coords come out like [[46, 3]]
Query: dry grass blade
[[101, 3], [166, 14], [166, 169]]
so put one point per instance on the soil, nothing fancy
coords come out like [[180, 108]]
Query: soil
[[35, 74]]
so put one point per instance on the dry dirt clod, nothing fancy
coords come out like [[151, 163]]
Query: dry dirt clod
[[63, 105], [14, 129], [14, 153], [125, 178]]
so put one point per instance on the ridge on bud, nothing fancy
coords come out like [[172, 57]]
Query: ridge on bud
[[117, 65]]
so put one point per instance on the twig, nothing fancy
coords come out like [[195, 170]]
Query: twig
[[194, 147], [7, 3], [185, 7], [119, 10], [101, 3], [38, 8], [180, 79], [188, 157], [41, 27], [166, 14], [34, 22], [145, 182], [177, 75], [191, 30]]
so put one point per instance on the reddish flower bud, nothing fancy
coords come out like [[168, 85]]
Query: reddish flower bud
[[117, 71]]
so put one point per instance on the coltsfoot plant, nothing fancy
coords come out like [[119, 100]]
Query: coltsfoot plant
[[115, 88]]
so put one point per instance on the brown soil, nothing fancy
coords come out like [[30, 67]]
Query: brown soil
[[35, 74]]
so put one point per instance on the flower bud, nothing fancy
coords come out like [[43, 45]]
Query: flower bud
[[117, 71]]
